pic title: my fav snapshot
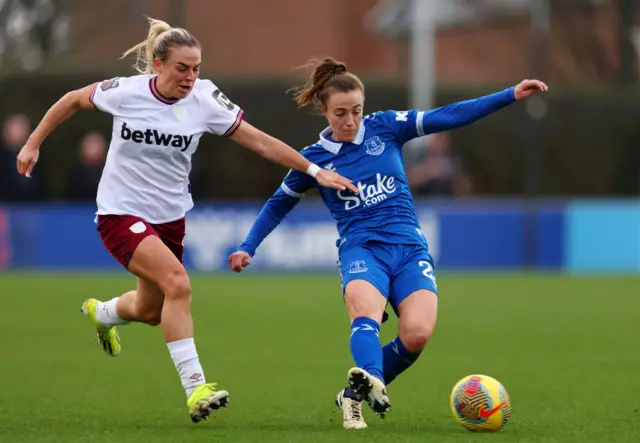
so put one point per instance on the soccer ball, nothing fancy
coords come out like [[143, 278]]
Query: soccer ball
[[480, 403]]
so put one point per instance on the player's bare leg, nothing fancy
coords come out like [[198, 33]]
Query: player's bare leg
[[143, 305], [154, 262], [417, 319]]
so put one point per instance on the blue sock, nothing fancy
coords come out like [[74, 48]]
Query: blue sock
[[365, 346], [396, 359], [350, 393]]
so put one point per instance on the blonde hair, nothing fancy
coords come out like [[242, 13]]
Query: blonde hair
[[160, 39]]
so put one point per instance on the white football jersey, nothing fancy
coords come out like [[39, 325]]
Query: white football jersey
[[146, 173]]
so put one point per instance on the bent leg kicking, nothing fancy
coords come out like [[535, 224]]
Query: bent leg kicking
[[143, 305], [416, 321]]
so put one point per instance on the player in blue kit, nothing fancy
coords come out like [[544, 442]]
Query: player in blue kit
[[383, 254]]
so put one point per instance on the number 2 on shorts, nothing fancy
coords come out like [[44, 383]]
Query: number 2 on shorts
[[428, 271]]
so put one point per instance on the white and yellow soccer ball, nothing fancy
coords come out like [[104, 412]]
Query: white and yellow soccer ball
[[480, 403]]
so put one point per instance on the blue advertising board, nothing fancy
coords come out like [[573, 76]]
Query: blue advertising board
[[462, 235], [603, 237]]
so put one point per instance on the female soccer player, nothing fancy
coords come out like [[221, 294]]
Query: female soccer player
[[158, 119], [383, 254]]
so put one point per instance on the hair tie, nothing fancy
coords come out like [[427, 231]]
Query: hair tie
[[338, 69]]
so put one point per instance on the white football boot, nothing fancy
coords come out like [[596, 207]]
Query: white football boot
[[351, 412], [370, 388]]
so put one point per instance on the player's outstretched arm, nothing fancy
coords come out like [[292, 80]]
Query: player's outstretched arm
[[279, 152], [58, 113], [463, 113], [270, 216]]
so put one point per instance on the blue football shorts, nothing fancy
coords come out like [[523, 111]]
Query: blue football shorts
[[396, 271]]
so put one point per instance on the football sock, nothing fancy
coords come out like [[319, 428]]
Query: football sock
[[106, 313], [185, 358], [350, 393], [396, 359], [365, 346]]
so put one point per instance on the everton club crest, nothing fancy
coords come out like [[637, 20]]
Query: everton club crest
[[374, 146]]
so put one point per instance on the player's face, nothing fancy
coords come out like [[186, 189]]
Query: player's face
[[179, 72], [343, 110]]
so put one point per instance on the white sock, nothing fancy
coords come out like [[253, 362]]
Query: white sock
[[107, 315], [185, 358]]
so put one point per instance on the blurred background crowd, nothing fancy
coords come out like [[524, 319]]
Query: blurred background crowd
[[582, 139]]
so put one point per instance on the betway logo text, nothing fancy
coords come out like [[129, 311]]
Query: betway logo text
[[369, 195], [152, 136]]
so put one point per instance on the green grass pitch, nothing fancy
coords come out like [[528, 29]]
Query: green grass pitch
[[566, 348]]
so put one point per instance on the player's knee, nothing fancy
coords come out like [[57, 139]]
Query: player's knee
[[416, 336], [177, 285], [417, 315], [364, 300]]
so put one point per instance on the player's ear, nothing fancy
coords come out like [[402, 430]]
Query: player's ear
[[157, 65], [323, 109]]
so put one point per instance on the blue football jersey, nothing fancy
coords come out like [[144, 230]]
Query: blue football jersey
[[383, 209]]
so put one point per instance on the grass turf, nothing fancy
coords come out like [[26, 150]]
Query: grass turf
[[566, 349]]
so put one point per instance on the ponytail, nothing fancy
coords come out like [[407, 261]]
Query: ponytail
[[160, 39], [325, 75]]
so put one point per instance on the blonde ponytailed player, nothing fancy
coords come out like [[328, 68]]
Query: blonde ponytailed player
[[158, 119]]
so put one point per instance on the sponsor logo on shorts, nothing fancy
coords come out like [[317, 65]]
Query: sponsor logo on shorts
[[357, 267], [138, 227]]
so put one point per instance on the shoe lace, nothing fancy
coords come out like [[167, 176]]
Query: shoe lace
[[356, 410]]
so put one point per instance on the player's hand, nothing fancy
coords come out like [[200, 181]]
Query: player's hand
[[330, 179], [239, 260], [27, 159], [527, 88]]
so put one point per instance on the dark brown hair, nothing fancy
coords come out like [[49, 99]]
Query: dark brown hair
[[327, 75]]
